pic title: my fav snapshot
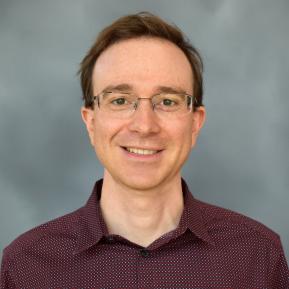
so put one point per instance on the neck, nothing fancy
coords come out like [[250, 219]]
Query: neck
[[141, 216]]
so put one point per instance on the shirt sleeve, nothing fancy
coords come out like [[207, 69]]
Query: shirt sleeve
[[280, 272], [6, 281]]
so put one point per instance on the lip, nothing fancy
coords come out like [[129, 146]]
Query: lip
[[142, 157]]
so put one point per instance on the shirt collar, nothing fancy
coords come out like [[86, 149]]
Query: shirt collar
[[92, 226], [192, 217]]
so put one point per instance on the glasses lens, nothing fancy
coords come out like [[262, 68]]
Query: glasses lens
[[117, 101], [171, 103]]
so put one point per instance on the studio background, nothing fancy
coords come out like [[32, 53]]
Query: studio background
[[241, 162]]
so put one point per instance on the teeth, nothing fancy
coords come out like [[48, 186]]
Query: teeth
[[141, 152]]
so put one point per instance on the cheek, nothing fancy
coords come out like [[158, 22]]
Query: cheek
[[99, 133], [101, 143], [105, 131], [181, 134]]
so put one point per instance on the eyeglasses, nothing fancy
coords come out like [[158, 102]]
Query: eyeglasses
[[123, 104]]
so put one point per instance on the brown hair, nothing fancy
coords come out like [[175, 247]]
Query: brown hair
[[134, 26]]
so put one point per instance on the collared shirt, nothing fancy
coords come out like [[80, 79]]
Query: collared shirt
[[211, 248]]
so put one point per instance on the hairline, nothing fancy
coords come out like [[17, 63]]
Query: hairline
[[148, 37]]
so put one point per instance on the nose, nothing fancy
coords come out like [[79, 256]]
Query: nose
[[144, 120]]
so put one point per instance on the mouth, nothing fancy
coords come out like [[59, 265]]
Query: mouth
[[141, 152]]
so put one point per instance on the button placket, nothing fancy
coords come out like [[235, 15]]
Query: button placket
[[144, 253]]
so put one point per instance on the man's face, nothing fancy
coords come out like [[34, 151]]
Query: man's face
[[144, 65]]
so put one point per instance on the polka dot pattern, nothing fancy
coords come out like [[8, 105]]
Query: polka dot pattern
[[211, 248]]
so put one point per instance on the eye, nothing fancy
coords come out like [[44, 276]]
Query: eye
[[119, 101], [168, 102]]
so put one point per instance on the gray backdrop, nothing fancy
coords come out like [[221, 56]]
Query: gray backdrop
[[47, 167]]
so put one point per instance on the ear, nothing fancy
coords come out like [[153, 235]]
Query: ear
[[199, 117], [87, 115]]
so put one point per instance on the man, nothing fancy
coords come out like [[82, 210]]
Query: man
[[141, 227]]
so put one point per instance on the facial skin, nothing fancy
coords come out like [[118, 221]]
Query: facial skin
[[144, 64]]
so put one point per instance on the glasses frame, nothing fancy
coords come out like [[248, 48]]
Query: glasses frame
[[193, 102]]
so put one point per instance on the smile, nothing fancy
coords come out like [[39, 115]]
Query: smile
[[141, 151]]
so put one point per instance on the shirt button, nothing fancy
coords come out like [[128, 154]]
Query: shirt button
[[144, 252], [110, 239]]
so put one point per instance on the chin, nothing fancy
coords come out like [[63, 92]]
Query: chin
[[141, 183]]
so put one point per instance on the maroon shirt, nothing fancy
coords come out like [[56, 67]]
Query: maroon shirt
[[211, 248]]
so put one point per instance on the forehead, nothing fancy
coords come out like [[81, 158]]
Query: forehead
[[144, 63]]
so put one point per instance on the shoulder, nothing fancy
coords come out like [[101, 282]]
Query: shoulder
[[229, 224], [63, 227]]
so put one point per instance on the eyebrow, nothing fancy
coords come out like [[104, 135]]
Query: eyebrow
[[125, 87], [169, 89]]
